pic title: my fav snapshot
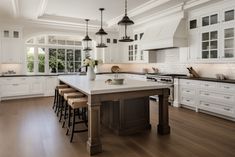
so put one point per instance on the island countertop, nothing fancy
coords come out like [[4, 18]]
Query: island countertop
[[98, 86]]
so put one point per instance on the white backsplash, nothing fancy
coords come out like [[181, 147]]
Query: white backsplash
[[204, 70], [15, 67]]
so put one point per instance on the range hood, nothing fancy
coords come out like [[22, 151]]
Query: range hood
[[168, 34]]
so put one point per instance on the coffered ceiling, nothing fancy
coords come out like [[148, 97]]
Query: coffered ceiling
[[74, 11]]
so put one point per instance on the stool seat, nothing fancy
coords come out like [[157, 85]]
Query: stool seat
[[72, 95], [76, 103], [62, 86], [66, 90]]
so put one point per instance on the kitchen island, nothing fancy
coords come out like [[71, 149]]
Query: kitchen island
[[98, 91]]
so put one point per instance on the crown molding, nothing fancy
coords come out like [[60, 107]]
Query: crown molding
[[15, 8], [138, 10], [42, 7]]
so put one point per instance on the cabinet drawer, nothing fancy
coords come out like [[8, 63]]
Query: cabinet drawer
[[218, 97], [208, 85], [216, 108], [187, 91], [13, 80], [14, 89], [188, 82], [188, 101], [226, 87]]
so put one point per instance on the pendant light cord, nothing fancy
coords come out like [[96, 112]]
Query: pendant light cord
[[125, 7]]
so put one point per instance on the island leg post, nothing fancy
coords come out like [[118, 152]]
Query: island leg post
[[163, 126], [94, 145]]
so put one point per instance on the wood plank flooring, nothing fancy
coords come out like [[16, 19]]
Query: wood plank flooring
[[29, 128]]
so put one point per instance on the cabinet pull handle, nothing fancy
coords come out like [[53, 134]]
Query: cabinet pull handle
[[15, 84], [206, 85], [226, 109], [226, 87], [227, 97], [207, 104], [188, 100], [187, 91], [206, 94]]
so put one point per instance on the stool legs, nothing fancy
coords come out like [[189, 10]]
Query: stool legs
[[54, 102]]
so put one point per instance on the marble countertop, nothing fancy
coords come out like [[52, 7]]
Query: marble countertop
[[99, 86]]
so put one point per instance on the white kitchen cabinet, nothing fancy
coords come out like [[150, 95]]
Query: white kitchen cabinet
[[37, 85], [15, 87], [211, 33], [214, 97], [51, 83], [11, 45]]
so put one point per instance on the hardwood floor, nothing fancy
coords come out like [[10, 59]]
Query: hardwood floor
[[29, 128]]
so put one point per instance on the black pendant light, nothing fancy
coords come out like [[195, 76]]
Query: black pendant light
[[101, 32], [126, 21], [87, 40]]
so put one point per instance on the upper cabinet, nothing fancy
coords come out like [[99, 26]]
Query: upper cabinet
[[211, 36], [11, 45]]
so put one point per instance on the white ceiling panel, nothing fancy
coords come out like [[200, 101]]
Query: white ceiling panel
[[89, 8], [6, 9]]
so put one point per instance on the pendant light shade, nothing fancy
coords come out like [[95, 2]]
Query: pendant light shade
[[101, 33], [126, 21], [87, 42]]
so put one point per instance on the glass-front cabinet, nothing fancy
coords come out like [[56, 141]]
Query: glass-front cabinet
[[212, 35], [209, 45]]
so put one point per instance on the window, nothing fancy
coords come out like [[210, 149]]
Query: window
[[130, 53], [193, 24], [229, 15], [30, 59], [50, 54], [210, 45]]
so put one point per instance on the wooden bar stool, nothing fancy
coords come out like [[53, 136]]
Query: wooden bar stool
[[75, 104], [61, 100], [66, 97], [56, 97]]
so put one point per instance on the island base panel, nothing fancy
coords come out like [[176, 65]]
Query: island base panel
[[127, 116], [94, 148]]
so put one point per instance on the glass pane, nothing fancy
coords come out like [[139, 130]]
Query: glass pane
[[41, 60], [229, 43], [228, 33], [77, 66], [52, 60], [70, 66], [214, 45], [78, 43], [136, 37], [61, 54], [214, 35], [205, 21], [205, 36], [16, 34], [214, 54], [205, 54], [229, 53], [30, 59], [70, 55], [61, 66], [214, 19], [30, 41], [51, 40], [61, 42], [78, 55], [69, 42], [41, 40], [193, 24], [141, 35], [205, 46], [229, 15], [6, 34]]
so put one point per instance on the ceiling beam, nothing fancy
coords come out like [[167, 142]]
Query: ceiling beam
[[42, 7], [15, 8]]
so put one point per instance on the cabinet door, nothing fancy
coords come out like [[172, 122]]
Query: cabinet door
[[194, 45], [228, 40], [51, 83], [37, 85], [17, 89], [12, 50]]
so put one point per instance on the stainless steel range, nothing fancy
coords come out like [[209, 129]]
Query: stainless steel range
[[164, 78]]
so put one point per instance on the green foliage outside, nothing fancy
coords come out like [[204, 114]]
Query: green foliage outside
[[30, 65]]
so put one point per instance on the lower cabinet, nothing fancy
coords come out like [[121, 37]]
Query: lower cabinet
[[15, 87], [213, 97]]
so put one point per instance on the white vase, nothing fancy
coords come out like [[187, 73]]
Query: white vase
[[91, 74]]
